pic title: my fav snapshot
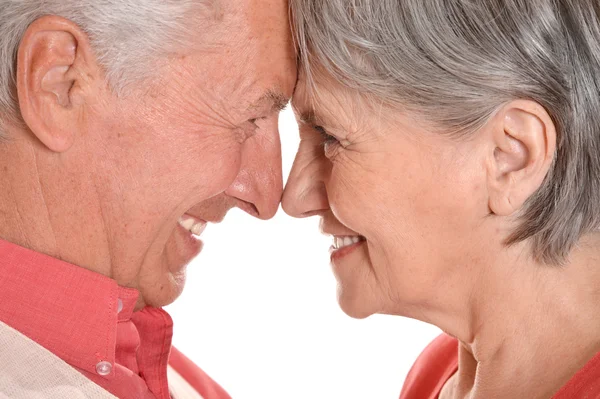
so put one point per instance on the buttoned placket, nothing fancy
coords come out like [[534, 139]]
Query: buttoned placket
[[104, 368]]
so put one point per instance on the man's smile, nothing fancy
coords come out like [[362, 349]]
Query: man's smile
[[193, 225]]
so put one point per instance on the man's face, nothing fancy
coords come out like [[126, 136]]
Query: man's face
[[202, 140]]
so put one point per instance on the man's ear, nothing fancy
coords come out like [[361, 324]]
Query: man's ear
[[522, 152], [51, 63]]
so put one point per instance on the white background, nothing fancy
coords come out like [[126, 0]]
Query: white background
[[259, 314]]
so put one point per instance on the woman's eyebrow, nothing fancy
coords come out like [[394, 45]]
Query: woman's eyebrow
[[311, 117]]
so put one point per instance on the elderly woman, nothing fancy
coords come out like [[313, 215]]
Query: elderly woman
[[451, 148]]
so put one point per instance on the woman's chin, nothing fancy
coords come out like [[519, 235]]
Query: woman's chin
[[353, 305], [355, 281]]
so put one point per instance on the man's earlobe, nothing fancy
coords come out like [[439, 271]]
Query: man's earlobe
[[524, 144], [47, 79]]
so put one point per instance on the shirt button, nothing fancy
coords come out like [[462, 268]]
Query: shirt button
[[103, 368], [119, 306]]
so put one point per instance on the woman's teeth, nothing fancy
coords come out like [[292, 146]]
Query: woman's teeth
[[194, 226], [346, 241]]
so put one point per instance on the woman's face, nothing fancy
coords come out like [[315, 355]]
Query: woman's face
[[415, 199]]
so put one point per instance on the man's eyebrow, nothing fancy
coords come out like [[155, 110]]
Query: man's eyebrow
[[275, 100], [280, 100]]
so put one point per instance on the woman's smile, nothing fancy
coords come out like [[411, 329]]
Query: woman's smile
[[451, 148], [345, 245]]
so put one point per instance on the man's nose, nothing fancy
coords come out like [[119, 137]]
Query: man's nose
[[259, 183], [305, 192]]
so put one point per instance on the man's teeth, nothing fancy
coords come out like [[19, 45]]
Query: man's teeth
[[192, 225], [341, 242], [198, 228]]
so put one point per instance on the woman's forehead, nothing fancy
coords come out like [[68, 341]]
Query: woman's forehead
[[322, 100]]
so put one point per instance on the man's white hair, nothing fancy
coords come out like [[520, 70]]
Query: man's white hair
[[125, 35]]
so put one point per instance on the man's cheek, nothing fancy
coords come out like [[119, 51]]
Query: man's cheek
[[218, 171]]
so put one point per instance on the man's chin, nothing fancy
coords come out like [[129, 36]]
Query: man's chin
[[160, 295], [165, 277]]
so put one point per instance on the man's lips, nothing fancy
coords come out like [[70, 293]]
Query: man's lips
[[187, 244], [194, 225]]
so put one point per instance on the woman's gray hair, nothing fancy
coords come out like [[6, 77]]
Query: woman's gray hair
[[456, 62], [125, 34]]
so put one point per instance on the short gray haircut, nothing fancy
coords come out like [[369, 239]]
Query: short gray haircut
[[456, 62], [125, 34]]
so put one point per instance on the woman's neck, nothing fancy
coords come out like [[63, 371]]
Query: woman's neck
[[530, 327]]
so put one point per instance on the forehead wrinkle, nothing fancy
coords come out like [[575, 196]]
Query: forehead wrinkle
[[315, 108], [333, 106]]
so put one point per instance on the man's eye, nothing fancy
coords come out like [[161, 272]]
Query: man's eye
[[248, 129], [255, 121]]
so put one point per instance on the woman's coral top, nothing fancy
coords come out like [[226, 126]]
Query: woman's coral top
[[439, 362]]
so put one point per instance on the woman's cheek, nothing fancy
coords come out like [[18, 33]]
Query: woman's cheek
[[347, 197]]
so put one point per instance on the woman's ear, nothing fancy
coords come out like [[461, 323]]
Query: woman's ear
[[52, 59], [522, 152]]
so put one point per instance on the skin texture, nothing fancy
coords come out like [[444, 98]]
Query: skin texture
[[101, 181], [435, 211]]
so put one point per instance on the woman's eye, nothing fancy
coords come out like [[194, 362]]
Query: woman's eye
[[330, 143], [327, 138]]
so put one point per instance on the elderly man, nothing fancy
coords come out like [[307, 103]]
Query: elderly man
[[127, 126]]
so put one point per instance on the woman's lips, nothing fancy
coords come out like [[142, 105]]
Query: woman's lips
[[344, 245]]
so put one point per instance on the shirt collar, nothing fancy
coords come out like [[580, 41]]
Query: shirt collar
[[67, 309]]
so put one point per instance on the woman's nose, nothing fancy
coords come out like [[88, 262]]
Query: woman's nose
[[305, 193], [301, 201]]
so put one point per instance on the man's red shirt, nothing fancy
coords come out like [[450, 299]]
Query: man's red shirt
[[88, 321]]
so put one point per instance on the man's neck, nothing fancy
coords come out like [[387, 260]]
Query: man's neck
[[41, 210], [531, 328]]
